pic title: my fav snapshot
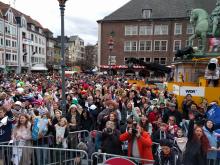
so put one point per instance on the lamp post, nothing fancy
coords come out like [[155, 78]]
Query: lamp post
[[62, 8], [110, 46]]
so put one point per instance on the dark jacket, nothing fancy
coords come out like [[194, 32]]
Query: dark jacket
[[171, 159], [5, 130], [111, 143], [193, 154]]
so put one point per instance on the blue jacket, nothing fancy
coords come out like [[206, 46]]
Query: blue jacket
[[213, 143], [6, 129]]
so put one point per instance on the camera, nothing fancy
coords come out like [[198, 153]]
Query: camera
[[109, 130], [134, 130]]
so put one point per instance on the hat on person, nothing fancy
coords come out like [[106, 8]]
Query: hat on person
[[75, 101], [18, 103], [92, 107], [166, 142], [73, 106]]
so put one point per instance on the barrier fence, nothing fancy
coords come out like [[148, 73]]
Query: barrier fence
[[28, 155], [46, 152]]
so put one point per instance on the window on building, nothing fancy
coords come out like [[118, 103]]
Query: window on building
[[2, 42], [189, 29], [10, 17], [161, 30], [39, 50], [163, 61], [40, 31], [141, 59], [14, 57], [8, 57], [7, 29], [32, 37], [188, 13], [176, 45], [1, 27], [8, 43], [39, 41], [148, 60], [187, 43], [23, 23], [163, 45], [146, 13], [131, 30], [24, 58], [146, 30], [156, 45], [36, 49], [178, 29], [130, 46], [160, 45], [145, 45], [36, 40], [32, 27], [156, 60]]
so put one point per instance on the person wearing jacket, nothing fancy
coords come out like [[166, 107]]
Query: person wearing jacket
[[110, 139], [139, 143], [196, 148], [167, 155], [212, 137]]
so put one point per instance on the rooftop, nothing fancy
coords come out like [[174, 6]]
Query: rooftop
[[160, 9]]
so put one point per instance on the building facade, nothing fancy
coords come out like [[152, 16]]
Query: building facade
[[150, 30], [76, 49], [50, 50], [91, 55], [22, 41], [8, 40]]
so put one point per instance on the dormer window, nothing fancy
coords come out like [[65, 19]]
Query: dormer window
[[188, 13], [146, 13], [32, 27], [23, 23], [40, 31], [10, 17]]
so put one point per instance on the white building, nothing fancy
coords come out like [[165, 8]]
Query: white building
[[76, 48], [22, 41], [8, 39]]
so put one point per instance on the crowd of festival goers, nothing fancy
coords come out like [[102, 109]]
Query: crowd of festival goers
[[122, 118]]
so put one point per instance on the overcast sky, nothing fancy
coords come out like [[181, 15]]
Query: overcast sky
[[80, 15]]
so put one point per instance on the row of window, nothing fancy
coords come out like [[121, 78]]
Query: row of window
[[39, 40], [162, 61], [34, 59], [156, 30], [10, 43], [34, 49], [146, 45], [11, 57]]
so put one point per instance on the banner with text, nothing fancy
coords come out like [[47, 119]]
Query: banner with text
[[194, 91]]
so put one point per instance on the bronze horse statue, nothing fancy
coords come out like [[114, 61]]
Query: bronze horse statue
[[200, 20]]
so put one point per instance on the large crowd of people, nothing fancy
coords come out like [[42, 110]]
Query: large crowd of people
[[122, 118]]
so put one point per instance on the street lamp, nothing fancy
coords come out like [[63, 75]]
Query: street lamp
[[110, 46], [62, 8]]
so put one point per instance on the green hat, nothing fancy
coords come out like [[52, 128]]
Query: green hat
[[75, 101]]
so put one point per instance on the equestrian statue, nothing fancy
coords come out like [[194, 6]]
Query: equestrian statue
[[204, 26]]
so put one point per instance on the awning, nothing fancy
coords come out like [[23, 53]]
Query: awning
[[39, 67]]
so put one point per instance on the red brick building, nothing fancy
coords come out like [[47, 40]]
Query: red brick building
[[151, 30]]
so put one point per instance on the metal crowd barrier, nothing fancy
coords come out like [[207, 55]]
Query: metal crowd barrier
[[74, 138], [98, 158], [28, 155]]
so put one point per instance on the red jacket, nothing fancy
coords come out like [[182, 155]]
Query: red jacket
[[144, 145]]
